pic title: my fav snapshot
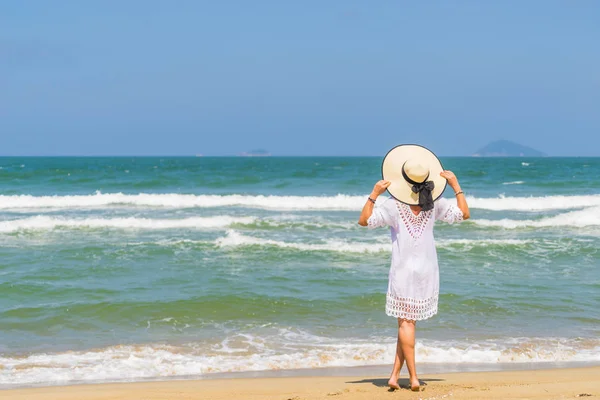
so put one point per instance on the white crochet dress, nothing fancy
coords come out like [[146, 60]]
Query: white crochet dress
[[414, 280]]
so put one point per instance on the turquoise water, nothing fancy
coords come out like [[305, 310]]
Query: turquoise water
[[114, 268]]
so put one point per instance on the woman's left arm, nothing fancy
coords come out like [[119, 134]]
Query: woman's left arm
[[461, 200]]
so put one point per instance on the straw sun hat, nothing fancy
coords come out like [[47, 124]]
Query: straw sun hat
[[414, 173]]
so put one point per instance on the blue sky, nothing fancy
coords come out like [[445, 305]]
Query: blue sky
[[297, 78]]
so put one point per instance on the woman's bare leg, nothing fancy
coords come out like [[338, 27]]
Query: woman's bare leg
[[407, 341], [398, 362]]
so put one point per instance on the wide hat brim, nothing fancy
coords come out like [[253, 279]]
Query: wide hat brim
[[391, 170]]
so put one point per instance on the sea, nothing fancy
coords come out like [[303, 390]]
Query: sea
[[135, 268]]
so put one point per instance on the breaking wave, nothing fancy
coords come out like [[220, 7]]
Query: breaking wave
[[247, 352], [41, 222], [341, 202], [578, 219], [236, 239]]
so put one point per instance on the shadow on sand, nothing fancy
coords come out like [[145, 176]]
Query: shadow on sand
[[403, 383]]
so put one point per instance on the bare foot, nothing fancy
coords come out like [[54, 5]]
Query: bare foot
[[415, 385], [393, 384]]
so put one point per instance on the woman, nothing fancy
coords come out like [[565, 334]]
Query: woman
[[416, 180]]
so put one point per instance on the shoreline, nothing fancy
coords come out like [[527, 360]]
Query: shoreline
[[535, 384], [324, 372]]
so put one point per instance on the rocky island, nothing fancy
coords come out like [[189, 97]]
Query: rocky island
[[506, 148]]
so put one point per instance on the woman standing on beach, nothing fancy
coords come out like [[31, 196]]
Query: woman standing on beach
[[414, 177]]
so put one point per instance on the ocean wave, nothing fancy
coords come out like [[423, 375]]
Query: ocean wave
[[236, 239], [340, 202], [41, 222], [514, 183], [174, 200], [546, 203], [245, 352], [44, 222], [582, 218], [470, 243], [579, 219]]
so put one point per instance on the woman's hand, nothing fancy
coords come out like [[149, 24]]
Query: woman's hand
[[461, 201], [380, 188], [451, 178]]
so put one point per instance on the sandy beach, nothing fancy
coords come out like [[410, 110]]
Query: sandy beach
[[539, 384]]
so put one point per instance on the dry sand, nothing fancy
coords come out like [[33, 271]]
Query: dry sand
[[572, 383]]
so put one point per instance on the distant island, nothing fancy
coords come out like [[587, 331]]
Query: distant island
[[255, 153], [506, 148]]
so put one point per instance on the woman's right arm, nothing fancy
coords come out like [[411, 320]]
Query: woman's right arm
[[380, 187]]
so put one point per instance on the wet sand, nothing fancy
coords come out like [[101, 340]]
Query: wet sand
[[571, 383]]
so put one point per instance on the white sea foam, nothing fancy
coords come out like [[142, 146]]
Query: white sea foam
[[547, 203], [248, 353], [339, 202], [174, 200], [42, 222], [579, 219], [514, 183], [236, 239], [470, 243]]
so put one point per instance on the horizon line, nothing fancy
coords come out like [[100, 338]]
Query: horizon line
[[242, 156], [270, 156]]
